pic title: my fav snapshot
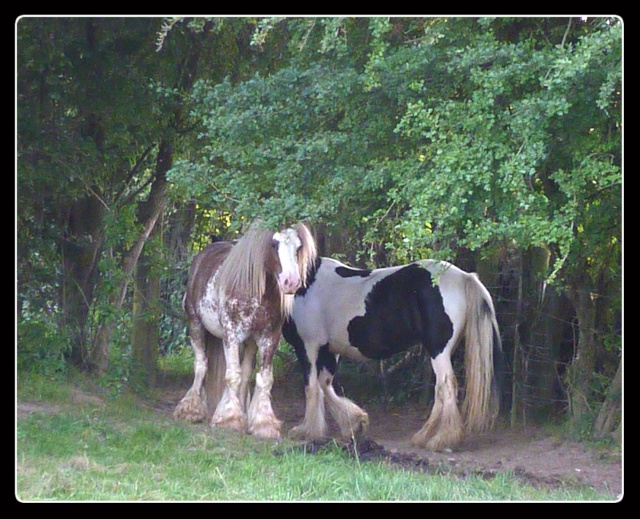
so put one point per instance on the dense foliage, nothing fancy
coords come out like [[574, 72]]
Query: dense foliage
[[396, 138], [470, 133]]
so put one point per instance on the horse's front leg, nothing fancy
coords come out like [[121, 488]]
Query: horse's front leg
[[262, 420], [314, 425], [352, 420], [193, 406], [230, 413]]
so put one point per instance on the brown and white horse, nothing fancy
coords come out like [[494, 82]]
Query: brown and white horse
[[236, 301]]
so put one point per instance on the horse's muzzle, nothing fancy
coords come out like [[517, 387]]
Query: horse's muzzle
[[289, 283]]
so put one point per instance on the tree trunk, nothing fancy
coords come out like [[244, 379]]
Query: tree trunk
[[546, 337], [145, 323], [532, 354], [580, 373], [80, 250], [609, 417], [152, 210], [154, 205]]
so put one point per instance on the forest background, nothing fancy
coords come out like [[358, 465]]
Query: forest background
[[494, 143]]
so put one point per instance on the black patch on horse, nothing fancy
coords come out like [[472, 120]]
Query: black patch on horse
[[290, 333], [348, 272], [311, 277], [327, 360], [402, 310]]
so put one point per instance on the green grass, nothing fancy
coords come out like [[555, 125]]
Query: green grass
[[122, 450]]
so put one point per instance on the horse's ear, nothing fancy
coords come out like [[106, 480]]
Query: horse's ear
[[308, 253]]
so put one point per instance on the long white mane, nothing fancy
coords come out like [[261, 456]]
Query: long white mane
[[243, 272]]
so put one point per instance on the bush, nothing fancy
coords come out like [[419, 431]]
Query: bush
[[42, 344]]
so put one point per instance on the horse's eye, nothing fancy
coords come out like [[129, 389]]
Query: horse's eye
[[274, 244]]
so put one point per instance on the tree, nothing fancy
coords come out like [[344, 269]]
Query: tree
[[102, 112], [89, 130], [81, 154]]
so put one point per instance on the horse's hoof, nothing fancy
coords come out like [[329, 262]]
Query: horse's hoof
[[191, 410], [440, 442], [356, 429], [297, 433], [266, 431], [363, 425], [233, 423], [301, 433]]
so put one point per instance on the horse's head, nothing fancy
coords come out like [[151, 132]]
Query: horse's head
[[296, 252], [286, 244]]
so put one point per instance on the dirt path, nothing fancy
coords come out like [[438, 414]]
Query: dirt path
[[535, 456]]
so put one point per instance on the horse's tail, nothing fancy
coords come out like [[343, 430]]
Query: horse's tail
[[483, 359], [214, 383]]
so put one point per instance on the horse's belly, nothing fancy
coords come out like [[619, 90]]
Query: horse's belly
[[346, 350], [338, 339], [211, 322]]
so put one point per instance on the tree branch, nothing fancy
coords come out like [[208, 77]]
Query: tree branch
[[566, 33]]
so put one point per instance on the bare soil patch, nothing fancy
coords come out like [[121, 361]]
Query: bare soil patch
[[535, 456]]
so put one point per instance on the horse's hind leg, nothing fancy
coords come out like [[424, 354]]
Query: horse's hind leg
[[444, 428], [262, 420], [246, 371], [193, 406], [352, 420]]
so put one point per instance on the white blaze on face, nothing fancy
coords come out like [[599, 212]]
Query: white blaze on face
[[288, 245]]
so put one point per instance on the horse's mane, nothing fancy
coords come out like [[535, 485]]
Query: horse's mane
[[243, 272], [308, 253]]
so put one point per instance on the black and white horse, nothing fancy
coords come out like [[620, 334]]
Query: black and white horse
[[372, 314]]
